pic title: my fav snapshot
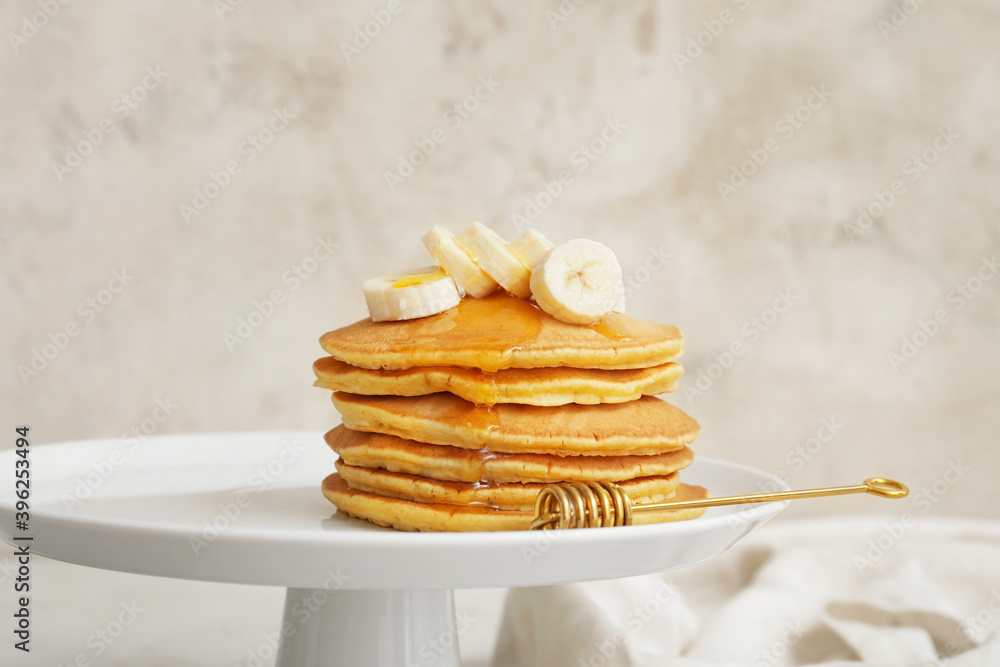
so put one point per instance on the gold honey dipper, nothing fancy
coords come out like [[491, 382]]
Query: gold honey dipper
[[597, 504]]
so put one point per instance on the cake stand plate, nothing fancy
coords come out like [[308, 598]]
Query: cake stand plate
[[247, 508]]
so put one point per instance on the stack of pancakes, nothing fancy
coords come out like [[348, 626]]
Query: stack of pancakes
[[454, 422]]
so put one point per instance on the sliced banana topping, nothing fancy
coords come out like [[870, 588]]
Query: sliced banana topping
[[531, 247], [410, 294], [578, 282], [492, 255], [466, 273]]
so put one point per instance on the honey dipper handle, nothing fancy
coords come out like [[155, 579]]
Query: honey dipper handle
[[878, 486]]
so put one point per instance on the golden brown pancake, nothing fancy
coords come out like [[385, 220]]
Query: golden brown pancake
[[531, 386], [501, 331], [407, 515], [641, 427], [513, 496], [377, 450]]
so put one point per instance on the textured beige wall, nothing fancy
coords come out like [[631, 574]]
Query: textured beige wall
[[883, 86]]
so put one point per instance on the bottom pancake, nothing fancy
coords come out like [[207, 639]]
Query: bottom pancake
[[439, 517], [514, 496]]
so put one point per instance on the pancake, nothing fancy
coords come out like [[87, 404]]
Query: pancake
[[641, 427], [444, 462], [407, 515], [513, 496], [501, 331], [531, 386]]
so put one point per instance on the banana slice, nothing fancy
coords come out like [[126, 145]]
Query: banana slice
[[578, 282], [531, 247], [410, 294], [469, 277], [493, 256]]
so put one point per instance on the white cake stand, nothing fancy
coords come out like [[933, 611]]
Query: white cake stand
[[246, 508]]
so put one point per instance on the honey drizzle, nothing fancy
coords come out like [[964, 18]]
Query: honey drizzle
[[476, 417], [487, 393], [496, 327], [419, 278], [612, 326]]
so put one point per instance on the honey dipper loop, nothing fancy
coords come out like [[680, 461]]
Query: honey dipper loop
[[597, 504], [887, 488]]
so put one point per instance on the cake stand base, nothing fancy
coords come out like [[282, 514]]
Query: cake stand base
[[344, 628]]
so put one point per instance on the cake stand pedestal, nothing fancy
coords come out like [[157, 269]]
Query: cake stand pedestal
[[246, 508]]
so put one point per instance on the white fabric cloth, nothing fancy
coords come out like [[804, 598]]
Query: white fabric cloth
[[831, 592]]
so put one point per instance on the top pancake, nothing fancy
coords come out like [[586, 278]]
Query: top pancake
[[503, 331]]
